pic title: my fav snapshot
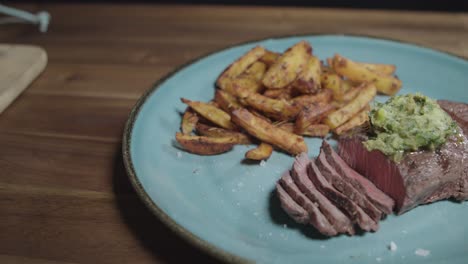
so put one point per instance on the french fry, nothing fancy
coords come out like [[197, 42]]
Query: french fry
[[239, 66], [310, 116], [268, 133], [343, 114], [352, 93], [288, 126], [256, 71], [189, 121], [308, 81], [286, 68], [285, 93], [262, 152], [316, 130], [211, 113], [278, 109], [385, 69], [357, 120], [204, 145], [356, 72], [248, 83], [226, 101], [323, 96], [210, 131], [333, 82], [270, 57]]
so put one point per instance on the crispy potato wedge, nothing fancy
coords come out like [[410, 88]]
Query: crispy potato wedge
[[357, 120], [333, 82], [189, 121], [211, 113], [262, 152], [324, 96], [210, 131], [356, 72], [286, 68], [385, 69], [310, 116], [256, 71], [226, 101], [278, 109], [316, 130], [247, 83], [204, 145], [330, 62], [352, 93], [270, 57], [285, 93], [288, 126], [366, 94], [240, 65], [308, 81], [268, 133]]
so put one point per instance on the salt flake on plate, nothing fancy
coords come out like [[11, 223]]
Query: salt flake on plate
[[422, 252]]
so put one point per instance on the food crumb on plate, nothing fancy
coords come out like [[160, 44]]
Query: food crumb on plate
[[179, 154], [392, 246], [263, 163], [322, 246], [378, 259], [285, 225], [422, 252]]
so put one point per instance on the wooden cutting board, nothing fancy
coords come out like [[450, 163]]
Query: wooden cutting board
[[19, 66]]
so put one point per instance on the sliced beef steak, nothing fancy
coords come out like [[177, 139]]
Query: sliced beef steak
[[422, 176], [458, 111], [294, 210], [345, 187], [362, 184], [316, 218], [354, 212], [340, 222]]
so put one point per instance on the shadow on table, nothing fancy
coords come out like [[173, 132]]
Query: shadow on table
[[154, 236]]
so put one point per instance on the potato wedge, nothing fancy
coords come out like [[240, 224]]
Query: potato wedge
[[356, 72], [268, 133], [324, 96], [343, 114], [385, 69], [226, 101], [211, 113], [240, 65], [210, 131], [317, 130], [285, 93], [333, 82], [262, 152], [189, 121], [357, 120], [352, 93], [278, 109], [286, 68], [204, 145], [308, 81], [310, 116], [256, 71], [288, 126], [248, 83], [270, 57]]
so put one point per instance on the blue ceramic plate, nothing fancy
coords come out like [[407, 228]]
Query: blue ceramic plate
[[230, 209]]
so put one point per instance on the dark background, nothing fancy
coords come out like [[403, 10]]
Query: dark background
[[430, 5]]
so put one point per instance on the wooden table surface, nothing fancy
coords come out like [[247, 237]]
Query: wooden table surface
[[64, 193]]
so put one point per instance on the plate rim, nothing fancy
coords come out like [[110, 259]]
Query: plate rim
[[181, 231]]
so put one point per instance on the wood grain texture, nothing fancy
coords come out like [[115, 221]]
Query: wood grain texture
[[64, 194]]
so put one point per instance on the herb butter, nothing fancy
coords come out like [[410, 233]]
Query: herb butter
[[408, 123]]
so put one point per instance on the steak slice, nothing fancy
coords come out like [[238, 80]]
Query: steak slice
[[341, 201], [362, 184], [316, 218], [294, 210], [458, 111], [340, 221], [421, 177], [346, 188]]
